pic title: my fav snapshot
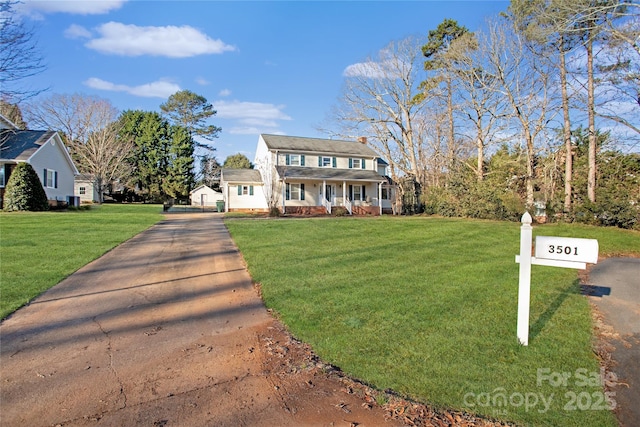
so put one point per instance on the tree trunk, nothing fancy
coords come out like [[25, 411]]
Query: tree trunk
[[591, 180], [452, 136], [568, 164], [480, 148], [530, 167]]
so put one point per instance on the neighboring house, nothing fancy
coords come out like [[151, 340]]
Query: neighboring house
[[243, 190], [204, 196], [45, 152], [313, 176], [85, 187]]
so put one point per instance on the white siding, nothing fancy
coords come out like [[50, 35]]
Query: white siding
[[50, 156], [90, 192], [206, 195], [233, 201]]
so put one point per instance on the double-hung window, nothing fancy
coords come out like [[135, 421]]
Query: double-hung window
[[82, 190], [50, 178], [326, 162], [356, 164], [386, 194], [294, 159], [245, 190], [357, 192], [295, 191]]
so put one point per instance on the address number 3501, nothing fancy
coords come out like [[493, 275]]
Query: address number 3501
[[566, 250]]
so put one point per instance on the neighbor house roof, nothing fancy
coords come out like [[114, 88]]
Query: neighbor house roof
[[19, 145], [241, 175], [5, 123], [317, 145], [297, 172]]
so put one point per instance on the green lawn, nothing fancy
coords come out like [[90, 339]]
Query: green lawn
[[38, 249], [427, 307]]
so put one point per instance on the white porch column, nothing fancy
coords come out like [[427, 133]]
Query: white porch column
[[284, 197], [344, 193], [380, 197]]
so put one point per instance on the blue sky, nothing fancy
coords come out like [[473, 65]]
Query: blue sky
[[267, 67]]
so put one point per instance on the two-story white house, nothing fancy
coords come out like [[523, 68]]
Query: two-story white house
[[313, 176]]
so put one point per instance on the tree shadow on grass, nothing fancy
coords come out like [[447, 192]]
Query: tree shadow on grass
[[542, 320]]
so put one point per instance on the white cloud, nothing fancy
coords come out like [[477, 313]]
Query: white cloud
[[77, 32], [157, 89], [170, 41], [202, 81], [224, 92], [370, 69], [93, 7], [251, 117]]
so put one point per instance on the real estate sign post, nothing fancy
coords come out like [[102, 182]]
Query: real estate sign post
[[564, 252]]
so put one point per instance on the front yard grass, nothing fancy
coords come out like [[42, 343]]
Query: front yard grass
[[427, 307], [39, 249]]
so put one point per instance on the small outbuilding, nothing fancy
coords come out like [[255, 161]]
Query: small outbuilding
[[204, 196]]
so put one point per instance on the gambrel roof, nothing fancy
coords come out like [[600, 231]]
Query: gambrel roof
[[317, 145]]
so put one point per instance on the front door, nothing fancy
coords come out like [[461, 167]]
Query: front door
[[329, 192]]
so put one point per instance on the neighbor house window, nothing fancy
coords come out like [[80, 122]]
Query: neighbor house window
[[50, 178], [327, 162], [245, 190], [294, 159], [295, 191], [82, 190], [1, 175]]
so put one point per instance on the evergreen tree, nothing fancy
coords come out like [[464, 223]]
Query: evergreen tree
[[179, 178], [149, 159], [237, 161], [24, 191]]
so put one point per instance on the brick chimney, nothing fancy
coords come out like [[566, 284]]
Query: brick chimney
[[362, 139]]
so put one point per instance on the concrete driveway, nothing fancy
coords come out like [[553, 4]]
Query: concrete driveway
[[165, 330], [614, 285]]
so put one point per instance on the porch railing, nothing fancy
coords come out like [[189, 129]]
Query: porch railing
[[327, 204], [347, 204]]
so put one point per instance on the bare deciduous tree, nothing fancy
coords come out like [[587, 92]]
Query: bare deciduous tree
[[378, 102], [88, 126], [524, 80], [19, 56]]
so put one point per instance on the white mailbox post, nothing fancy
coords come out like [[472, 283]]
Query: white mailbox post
[[565, 252]]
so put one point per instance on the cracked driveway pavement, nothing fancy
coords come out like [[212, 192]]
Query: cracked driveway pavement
[[165, 329]]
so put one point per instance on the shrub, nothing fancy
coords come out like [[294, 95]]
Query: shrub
[[24, 190], [339, 211], [274, 212]]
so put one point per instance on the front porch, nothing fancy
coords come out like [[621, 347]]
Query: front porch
[[308, 197]]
